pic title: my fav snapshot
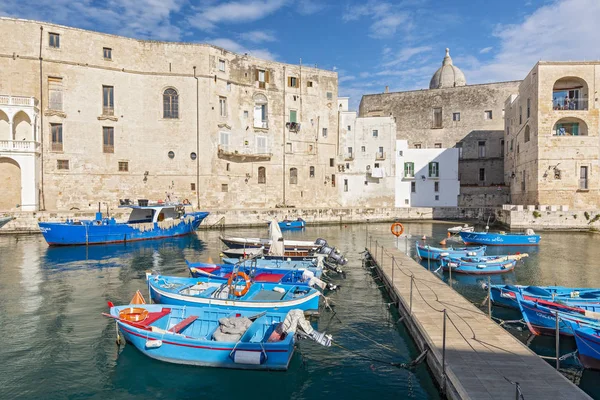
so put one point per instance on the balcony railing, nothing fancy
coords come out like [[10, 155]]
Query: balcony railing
[[569, 104], [107, 148], [226, 152], [26, 146], [261, 124], [108, 111], [348, 156], [56, 146], [380, 156], [18, 101]]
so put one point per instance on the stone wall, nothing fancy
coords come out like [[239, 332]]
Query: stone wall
[[549, 218], [483, 196]]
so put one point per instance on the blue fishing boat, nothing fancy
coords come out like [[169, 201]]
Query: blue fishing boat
[[209, 337], [232, 294], [144, 223], [528, 238], [288, 224], [277, 264], [435, 253], [506, 295], [588, 345], [224, 272], [483, 265]]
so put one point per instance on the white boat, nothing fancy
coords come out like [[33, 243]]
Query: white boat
[[5, 220], [464, 228]]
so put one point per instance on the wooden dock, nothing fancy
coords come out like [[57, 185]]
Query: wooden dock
[[482, 360]]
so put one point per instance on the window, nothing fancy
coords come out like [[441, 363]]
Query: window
[[437, 117], [123, 166], [583, 177], [481, 149], [293, 115], [331, 162], [221, 65], [224, 141], [289, 147], [62, 164], [56, 138], [260, 111], [345, 185], [502, 148], [324, 132], [375, 133], [262, 175], [459, 146], [417, 145], [309, 84], [171, 155], [224, 187], [568, 129], [293, 82], [55, 93], [487, 114], [170, 103], [456, 116], [409, 170], [528, 108], [54, 41], [107, 53], [349, 128], [229, 86], [108, 100], [380, 154], [223, 106], [350, 155], [332, 180], [437, 197], [527, 134], [245, 114], [511, 144], [262, 76], [329, 96], [108, 139], [436, 187], [227, 166], [437, 145], [434, 170], [363, 149], [193, 155], [193, 187], [293, 176], [523, 181], [520, 115], [261, 145], [482, 174], [376, 165], [413, 187]]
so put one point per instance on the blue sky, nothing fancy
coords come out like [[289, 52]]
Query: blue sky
[[370, 43]]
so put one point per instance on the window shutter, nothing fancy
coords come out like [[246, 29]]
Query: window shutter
[[437, 169], [405, 169], [266, 76], [430, 168], [289, 78], [256, 74], [297, 82], [575, 129]]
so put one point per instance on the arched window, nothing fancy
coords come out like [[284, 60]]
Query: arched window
[[293, 176], [311, 172], [527, 134], [262, 175], [170, 103], [261, 111]]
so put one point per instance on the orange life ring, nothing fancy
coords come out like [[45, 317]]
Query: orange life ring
[[186, 202], [133, 314], [397, 229], [239, 293]]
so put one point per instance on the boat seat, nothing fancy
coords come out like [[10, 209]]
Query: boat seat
[[266, 277], [267, 295], [154, 316], [183, 324]]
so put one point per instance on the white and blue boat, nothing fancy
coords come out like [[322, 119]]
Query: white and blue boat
[[258, 275], [232, 295], [588, 345], [435, 253], [194, 336], [483, 265], [506, 295], [144, 223], [280, 265], [528, 238], [288, 224]]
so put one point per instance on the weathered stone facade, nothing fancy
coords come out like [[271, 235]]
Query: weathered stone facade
[[552, 133], [230, 144]]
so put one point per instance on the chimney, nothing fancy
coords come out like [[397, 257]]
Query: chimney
[[387, 89]]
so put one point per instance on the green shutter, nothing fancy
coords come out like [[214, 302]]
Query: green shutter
[[292, 115], [437, 169], [430, 168], [405, 169], [575, 129]]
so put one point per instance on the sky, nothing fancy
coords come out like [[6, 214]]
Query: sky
[[371, 44]]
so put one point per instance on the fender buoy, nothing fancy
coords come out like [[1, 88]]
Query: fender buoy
[[397, 229], [133, 314], [239, 293], [186, 202]]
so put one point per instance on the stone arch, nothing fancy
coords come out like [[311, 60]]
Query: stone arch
[[570, 93], [570, 126], [5, 133], [22, 126], [10, 181]]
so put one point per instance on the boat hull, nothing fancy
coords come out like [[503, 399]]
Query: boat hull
[[108, 231], [498, 239], [489, 268], [588, 347], [541, 320], [506, 295], [435, 253], [290, 245], [291, 225]]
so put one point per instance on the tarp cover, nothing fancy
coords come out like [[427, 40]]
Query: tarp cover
[[277, 247], [231, 329]]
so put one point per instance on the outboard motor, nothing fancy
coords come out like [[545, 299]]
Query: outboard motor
[[337, 258], [326, 250], [321, 242]]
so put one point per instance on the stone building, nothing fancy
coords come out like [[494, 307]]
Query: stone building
[[552, 133], [453, 114], [87, 117]]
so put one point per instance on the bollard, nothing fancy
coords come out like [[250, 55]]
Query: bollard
[[406, 244], [393, 262], [444, 352], [450, 271], [490, 296], [557, 342], [412, 278]]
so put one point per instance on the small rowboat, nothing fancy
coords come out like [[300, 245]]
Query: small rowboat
[[292, 254], [312, 265], [193, 336], [506, 295], [464, 228], [287, 224], [528, 238], [478, 265], [201, 292], [435, 253], [244, 243], [224, 271], [588, 345]]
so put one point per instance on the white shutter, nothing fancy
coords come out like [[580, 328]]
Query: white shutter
[[224, 140], [261, 145]]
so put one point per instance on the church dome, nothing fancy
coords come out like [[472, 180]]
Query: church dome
[[448, 75]]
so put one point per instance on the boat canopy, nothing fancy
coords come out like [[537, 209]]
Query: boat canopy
[[141, 214]]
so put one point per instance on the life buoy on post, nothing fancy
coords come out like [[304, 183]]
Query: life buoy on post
[[186, 202], [397, 229], [230, 283]]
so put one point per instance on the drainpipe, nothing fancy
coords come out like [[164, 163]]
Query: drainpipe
[[41, 189], [284, 143], [197, 140]]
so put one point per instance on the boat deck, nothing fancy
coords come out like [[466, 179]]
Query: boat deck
[[482, 360]]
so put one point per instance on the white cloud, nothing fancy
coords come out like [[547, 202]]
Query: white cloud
[[259, 36], [309, 7], [386, 18], [241, 11], [547, 34], [405, 54], [346, 78], [236, 47], [485, 50]]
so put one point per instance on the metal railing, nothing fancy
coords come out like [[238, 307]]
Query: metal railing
[[569, 104]]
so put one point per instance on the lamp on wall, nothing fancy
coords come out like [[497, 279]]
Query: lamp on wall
[[145, 176], [423, 177], [513, 175]]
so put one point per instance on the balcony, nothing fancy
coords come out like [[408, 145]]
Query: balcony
[[19, 146], [7, 100], [380, 156], [108, 111], [261, 124], [225, 152], [293, 126], [569, 104], [348, 156]]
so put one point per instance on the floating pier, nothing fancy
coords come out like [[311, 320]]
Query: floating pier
[[470, 355]]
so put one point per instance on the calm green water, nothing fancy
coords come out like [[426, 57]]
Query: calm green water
[[56, 345]]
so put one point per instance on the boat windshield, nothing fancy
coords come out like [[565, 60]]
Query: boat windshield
[[167, 214], [140, 215]]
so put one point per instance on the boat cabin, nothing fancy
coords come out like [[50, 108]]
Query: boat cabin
[[143, 214]]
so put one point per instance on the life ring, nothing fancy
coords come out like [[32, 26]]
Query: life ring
[[133, 314], [397, 229], [186, 202], [239, 293]]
